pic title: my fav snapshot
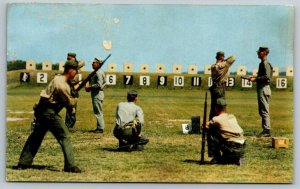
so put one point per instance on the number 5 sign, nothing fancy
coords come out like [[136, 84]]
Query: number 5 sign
[[281, 83], [41, 77]]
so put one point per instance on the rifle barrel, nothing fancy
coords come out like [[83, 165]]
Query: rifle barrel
[[204, 130], [82, 84]]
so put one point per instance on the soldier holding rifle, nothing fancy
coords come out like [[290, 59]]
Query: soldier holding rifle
[[56, 96]]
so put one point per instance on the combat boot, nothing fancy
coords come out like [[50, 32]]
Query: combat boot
[[74, 169], [264, 133]]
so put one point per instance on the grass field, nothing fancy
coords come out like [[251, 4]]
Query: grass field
[[169, 157]]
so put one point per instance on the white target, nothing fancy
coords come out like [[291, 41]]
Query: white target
[[178, 81], [246, 83], [41, 77], [145, 80], [111, 79]]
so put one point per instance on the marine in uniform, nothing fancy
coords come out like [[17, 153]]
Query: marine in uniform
[[262, 80], [96, 86], [129, 124], [225, 136], [219, 72], [56, 96], [70, 119]]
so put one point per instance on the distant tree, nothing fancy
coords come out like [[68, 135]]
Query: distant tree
[[16, 65], [55, 66], [39, 66]]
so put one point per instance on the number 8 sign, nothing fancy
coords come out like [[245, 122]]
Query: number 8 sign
[[144, 80], [41, 77]]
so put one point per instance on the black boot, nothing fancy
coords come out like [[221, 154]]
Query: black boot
[[264, 133], [74, 169], [21, 167]]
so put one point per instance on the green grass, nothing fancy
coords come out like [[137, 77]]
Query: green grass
[[170, 156]]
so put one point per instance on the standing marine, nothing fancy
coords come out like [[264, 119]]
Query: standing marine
[[55, 97], [262, 80], [96, 86], [219, 72], [71, 116]]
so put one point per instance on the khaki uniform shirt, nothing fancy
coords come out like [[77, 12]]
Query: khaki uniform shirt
[[219, 70], [98, 82], [228, 127], [127, 112], [58, 92]]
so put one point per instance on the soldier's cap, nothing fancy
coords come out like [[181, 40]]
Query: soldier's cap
[[220, 53], [96, 60], [72, 54], [132, 93], [221, 102], [262, 49], [71, 64]]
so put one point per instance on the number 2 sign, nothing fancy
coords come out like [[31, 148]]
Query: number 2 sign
[[41, 77]]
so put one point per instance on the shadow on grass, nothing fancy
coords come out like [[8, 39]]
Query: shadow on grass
[[196, 162], [115, 150], [38, 167]]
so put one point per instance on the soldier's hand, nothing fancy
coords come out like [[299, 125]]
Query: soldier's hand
[[251, 78], [207, 125], [76, 86], [87, 87], [74, 94]]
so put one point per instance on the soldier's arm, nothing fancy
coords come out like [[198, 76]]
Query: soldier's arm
[[140, 115], [268, 74], [66, 98], [100, 83], [230, 60]]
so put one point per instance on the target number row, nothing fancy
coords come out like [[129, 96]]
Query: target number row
[[144, 80]]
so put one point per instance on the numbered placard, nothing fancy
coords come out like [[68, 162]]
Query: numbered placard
[[209, 84], [111, 79], [178, 81], [145, 80], [246, 83], [281, 83], [162, 80], [41, 77], [128, 79], [230, 82], [24, 77], [196, 81]]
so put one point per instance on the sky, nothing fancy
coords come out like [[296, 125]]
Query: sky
[[150, 34]]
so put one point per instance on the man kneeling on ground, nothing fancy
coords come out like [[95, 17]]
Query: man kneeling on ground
[[129, 123], [225, 136]]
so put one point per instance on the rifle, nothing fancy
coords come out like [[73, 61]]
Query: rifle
[[204, 130], [242, 77], [82, 84]]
